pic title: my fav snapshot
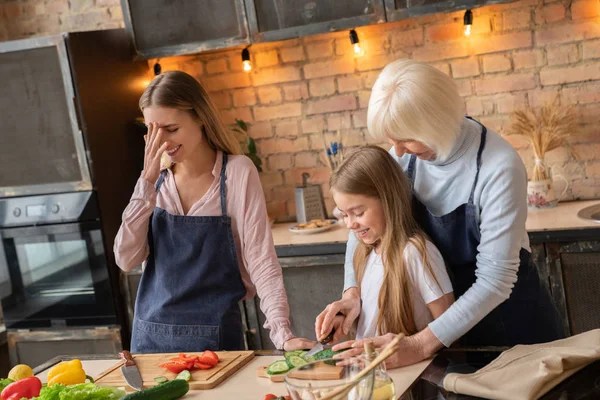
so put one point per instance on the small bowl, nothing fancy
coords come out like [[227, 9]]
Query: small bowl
[[307, 388]]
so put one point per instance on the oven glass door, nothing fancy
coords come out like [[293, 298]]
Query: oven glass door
[[55, 276]]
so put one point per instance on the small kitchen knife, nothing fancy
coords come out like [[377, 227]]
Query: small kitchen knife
[[130, 371], [322, 345]]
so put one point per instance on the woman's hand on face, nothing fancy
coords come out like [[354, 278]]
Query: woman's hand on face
[[153, 152], [298, 344], [349, 306], [409, 352]]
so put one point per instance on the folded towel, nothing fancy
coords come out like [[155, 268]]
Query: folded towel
[[528, 372]]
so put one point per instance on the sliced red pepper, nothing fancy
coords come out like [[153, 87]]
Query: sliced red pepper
[[177, 366], [209, 357], [199, 365], [27, 388]]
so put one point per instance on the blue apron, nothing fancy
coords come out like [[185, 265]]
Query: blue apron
[[528, 315], [188, 296]]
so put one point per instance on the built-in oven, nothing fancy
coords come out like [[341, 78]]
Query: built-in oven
[[53, 265]]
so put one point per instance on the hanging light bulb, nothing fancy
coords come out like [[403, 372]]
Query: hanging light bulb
[[468, 21], [358, 50], [157, 68], [246, 63]]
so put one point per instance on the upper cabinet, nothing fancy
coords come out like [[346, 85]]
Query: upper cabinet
[[270, 20], [167, 28], [402, 9]]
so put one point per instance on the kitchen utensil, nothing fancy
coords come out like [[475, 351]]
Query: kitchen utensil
[[309, 201], [130, 371]]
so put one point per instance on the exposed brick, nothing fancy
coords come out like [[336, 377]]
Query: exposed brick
[[552, 13], [474, 106], [560, 55], [343, 47], [107, 3], [275, 75], [482, 24], [278, 145], [193, 67], [286, 193], [116, 13], [567, 33], [585, 9], [359, 119], [591, 49], [592, 169], [441, 51], [235, 63], [580, 73], [221, 99], [517, 19], [216, 66], [445, 32], [363, 98], [329, 68], [374, 45], [465, 68], [295, 91], [286, 128], [370, 78], [271, 179], [57, 6], [229, 116], [508, 41], [306, 160], [582, 94], [349, 83], [496, 63], [292, 54], [226, 81], [587, 152], [29, 10], [527, 59], [370, 62], [244, 97], [317, 175], [321, 87], [81, 6], [511, 102], [286, 110], [260, 130], [407, 39], [269, 95], [48, 24], [508, 83], [338, 121], [266, 58], [539, 97], [12, 10], [442, 66], [319, 50], [90, 20], [277, 209], [496, 123], [280, 162], [333, 104], [313, 125]]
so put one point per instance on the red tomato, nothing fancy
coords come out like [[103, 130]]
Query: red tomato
[[209, 358], [185, 358], [177, 366], [269, 397], [200, 365]]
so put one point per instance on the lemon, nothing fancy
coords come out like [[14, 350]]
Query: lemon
[[19, 372], [383, 392]]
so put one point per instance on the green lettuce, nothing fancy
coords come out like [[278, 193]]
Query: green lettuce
[[82, 391]]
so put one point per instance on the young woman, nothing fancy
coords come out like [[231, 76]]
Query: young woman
[[401, 275], [200, 227]]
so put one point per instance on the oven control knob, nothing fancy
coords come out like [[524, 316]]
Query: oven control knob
[[55, 208], [17, 212]]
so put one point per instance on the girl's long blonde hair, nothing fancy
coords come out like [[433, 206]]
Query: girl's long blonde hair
[[176, 89], [373, 172]]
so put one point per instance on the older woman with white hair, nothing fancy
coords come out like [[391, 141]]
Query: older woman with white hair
[[469, 195]]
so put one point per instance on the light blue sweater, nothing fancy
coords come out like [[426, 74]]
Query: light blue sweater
[[500, 196]]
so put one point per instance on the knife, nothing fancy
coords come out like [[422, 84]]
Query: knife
[[322, 345], [130, 371]]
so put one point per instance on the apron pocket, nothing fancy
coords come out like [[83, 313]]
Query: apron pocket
[[152, 337]]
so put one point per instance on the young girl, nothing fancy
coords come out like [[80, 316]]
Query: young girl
[[401, 275], [200, 227]]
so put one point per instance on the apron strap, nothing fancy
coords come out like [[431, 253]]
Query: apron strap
[[160, 180], [479, 152], [222, 188], [410, 171]]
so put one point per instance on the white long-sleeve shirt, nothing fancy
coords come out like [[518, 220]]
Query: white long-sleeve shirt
[[500, 197]]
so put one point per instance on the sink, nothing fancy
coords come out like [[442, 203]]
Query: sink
[[591, 213]]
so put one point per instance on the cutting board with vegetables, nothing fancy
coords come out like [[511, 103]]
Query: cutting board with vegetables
[[201, 379], [277, 370]]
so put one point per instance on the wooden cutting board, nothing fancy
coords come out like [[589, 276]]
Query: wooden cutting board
[[320, 372], [148, 364]]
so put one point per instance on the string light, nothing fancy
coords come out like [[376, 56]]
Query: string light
[[468, 21], [246, 63], [358, 50]]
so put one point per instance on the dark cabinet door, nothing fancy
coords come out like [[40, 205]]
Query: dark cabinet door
[[168, 28], [282, 19]]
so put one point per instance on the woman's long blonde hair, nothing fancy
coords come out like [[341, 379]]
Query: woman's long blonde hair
[[373, 172], [176, 89]]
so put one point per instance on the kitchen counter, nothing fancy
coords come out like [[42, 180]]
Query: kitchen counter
[[541, 224]]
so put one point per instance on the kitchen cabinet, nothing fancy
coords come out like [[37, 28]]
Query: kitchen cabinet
[[168, 28], [402, 9], [271, 20]]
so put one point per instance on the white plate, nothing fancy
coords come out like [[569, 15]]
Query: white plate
[[313, 230]]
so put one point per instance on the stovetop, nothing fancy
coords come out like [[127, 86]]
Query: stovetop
[[584, 385]]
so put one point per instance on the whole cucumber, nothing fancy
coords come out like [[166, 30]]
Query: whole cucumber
[[171, 390]]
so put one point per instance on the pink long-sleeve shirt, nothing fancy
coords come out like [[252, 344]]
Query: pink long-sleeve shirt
[[259, 267]]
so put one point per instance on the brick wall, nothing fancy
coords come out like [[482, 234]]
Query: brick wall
[[520, 53]]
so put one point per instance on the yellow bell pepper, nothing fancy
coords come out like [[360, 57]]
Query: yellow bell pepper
[[67, 373]]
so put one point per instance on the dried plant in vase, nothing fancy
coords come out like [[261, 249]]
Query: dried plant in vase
[[546, 129]]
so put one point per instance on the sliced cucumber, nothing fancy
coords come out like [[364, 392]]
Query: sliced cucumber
[[278, 367], [160, 379], [296, 361], [288, 354], [184, 375]]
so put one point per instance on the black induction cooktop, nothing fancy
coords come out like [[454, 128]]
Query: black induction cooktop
[[584, 385]]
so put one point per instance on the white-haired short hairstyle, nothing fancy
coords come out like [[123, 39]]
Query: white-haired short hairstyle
[[415, 101]]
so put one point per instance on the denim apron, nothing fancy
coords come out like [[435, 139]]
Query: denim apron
[[528, 315], [188, 296]]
